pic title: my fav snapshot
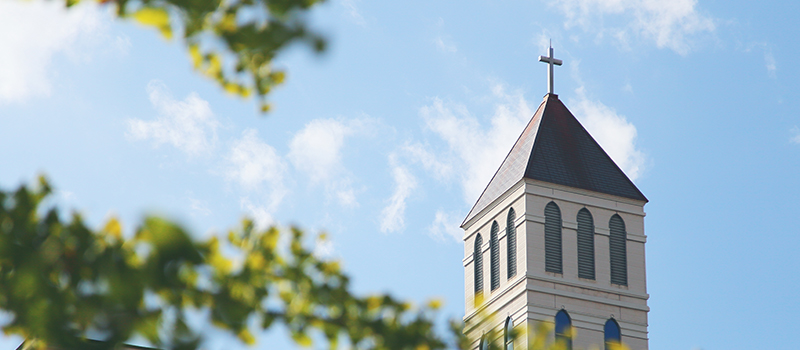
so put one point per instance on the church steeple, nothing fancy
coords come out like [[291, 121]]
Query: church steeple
[[554, 147], [572, 252]]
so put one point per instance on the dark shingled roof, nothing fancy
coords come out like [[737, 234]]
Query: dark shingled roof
[[555, 148]]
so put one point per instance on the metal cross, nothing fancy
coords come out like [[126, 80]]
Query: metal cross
[[550, 61]]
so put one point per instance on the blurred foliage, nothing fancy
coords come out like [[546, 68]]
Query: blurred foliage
[[64, 283], [232, 42]]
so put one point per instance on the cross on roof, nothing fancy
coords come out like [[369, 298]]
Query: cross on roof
[[550, 60]]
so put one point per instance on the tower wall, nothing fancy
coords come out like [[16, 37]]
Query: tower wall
[[535, 295]]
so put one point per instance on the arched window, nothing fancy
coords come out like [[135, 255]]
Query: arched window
[[511, 241], [494, 249], [484, 344], [617, 242], [508, 335], [564, 329], [552, 238], [612, 333], [477, 256], [585, 244]]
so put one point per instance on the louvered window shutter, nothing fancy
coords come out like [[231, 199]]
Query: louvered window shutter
[[552, 238], [494, 247], [617, 242], [511, 240], [585, 244], [477, 256]]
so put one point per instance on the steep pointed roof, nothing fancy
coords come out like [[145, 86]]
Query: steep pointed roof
[[555, 148]]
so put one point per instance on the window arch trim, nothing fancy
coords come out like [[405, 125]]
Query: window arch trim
[[511, 242], [508, 328], [618, 251], [477, 257], [552, 238], [494, 248], [563, 328], [612, 333], [585, 244]]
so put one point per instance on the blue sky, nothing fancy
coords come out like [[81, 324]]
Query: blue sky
[[387, 139]]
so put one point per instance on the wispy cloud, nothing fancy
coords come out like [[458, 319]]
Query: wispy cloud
[[417, 152], [393, 215], [445, 227], [316, 150], [669, 24], [198, 207], [188, 125], [31, 34], [444, 44], [769, 63], [796, 138], [612, 131], [476, 149], [258, 169], [323, 247], [254, 164], [353, 12]]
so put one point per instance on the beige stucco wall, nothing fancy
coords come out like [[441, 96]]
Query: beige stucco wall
[[534, 295]]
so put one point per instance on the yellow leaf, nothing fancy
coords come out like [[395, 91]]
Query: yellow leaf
[[155, 17], [435, 304], [373, 303], [227, 23], [197, 58], [278, 77], [247, 337], [113, 228], [302, 339]]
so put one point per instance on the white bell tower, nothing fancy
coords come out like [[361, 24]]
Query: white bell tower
[[557, 236]]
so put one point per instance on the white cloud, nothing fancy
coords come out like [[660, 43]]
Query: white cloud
[[353, 12], [445, 44], [393, 215], [258, 169], [612, 131], [323, 247], [446, 227], [188, 125], [670, 24], [31, 34], [796, 138], [418, 152], [317, 151], [199, 207], [769, 62], [261, 214], [255, 165], [477, 150]]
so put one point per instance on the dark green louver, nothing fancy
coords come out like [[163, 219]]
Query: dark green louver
[[585, 244], [552, 238], [478, 264], [511, 240], [494, 248], [617, 243]]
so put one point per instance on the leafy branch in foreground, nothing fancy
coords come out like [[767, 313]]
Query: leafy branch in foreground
[[64, 282], [232, 42]]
